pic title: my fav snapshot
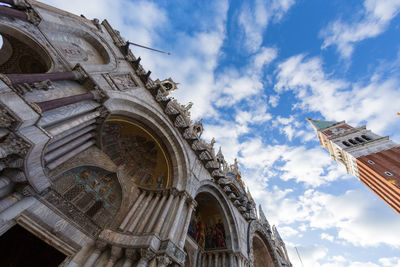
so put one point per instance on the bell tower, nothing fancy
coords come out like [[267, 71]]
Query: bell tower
[[373, 159]]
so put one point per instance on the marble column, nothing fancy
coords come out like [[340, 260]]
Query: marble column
[[65, 134], [10, 200], [63, 101], [223, 259], [14, 13], [72, 136], [70, 154], [39, 77], [116, 253], [68, 147], [79, 257], [148, 216], [141, 210], [191, 206], [99, 247], [132, 210], [130, 257], [163, 261], [146, 256], [164, 213], [209, 255], [231, 260], [5, 186], [204, 260], [177, 217], [156, 213], [67, 125], [216, 259]]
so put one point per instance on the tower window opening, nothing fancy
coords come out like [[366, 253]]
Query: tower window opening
[[366, 137], [371, 162], [388, 173], [358, 139], [346, 143], [352, 141]]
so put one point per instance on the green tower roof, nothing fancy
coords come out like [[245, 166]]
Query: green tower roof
[[318, 124]]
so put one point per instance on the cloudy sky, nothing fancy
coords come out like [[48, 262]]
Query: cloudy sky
[[255, 70]]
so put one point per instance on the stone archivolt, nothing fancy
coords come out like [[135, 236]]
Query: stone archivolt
[[98, 160]]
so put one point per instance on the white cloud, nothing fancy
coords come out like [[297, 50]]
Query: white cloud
[[390, 262], [327, 237], [373, 20], [338, 99], [254, 19]]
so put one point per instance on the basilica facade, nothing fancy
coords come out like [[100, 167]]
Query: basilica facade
[[100, 166]]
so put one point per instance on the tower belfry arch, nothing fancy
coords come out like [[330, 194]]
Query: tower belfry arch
[[99, 161]]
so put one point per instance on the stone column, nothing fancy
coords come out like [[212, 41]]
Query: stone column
[[5, 186], [165, 211], [204, 260], [67, 147], [145, 256], [116, 253], [209, 255], [143, 223], [141, 210], [99, 247], [216, 263], [79, 257], [70, 154], [67, 133], [10, 200], [132, 210], [63, 101], [163, 261], [67, 125], [223, 259], [231, 260], [70, 137], [39, 77], [156, 212], [130, 256], [10, 12], [177, 217], [192, 205]]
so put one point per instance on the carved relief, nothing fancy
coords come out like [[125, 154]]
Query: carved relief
[[6, 120], [13, 144], [122, 82]]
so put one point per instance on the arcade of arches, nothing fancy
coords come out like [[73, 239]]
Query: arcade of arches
[[100, 166]]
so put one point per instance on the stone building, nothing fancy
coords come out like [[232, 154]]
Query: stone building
[[373, 159], [99, 166]]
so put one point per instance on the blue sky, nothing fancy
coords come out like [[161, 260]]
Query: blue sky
[[254, 70]]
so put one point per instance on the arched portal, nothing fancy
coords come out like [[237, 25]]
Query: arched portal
[[20, 54], [262, 258], [208, 225], [138, 151]]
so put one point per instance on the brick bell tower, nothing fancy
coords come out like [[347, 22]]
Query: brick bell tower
[[373, 159]]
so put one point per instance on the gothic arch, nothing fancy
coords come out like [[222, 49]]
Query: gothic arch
[[21, 53], [231, 228], [259, 239], [132, 108]]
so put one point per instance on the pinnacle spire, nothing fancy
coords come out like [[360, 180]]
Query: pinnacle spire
[[320, 124]]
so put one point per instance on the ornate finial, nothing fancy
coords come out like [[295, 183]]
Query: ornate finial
[[169, 85], [198, 127]]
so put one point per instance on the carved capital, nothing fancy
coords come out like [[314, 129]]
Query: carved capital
[[6, 120], [22, 4], [100, 245], [146, 255], [163, 260], [174, 192], [13, 144], [116, 253], [33, 17], [131, 254]]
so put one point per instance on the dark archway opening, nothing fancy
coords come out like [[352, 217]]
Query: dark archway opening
[[20, 248], [262, 257]]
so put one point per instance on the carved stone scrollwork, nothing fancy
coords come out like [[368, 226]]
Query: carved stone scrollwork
[[6, 120], [25, 87], [168, 86], [163, 261], [96, 23], [146, 255], [123, 82], [33, 17], [162, 97], [13, 144]]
